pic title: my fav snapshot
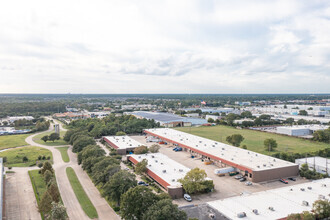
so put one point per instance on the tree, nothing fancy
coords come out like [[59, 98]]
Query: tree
[[54, 136], [301, 216], [164, 210], [154, 148], [141, 150], [120, 133], [302, 112], [47, 166], [45, 204], [118, 184], [270, 144], [80, 143], [90, 151], [244, 146], [321, 209], [246, 114], [58, 211], [104, 176], [48, 176], [289, 121], [235, 139], [45, 138], [54, 192], [210, 120], [136, 201], [25, 159], [141, 167], [193, 181]]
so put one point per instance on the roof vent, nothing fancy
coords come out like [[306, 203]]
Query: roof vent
[[241, 215], [324, 185], [161, 163], [271, 208], [264, 165], [255, 211], [211, 216], [258, 166], [274, 160], [173, 180], [321, 197], [156, 161], [149, 165], [164, 171], [223, 148], [139, 156], [216, 142], [310, 188], [305, 203], [152, 156], [180, 170], [302, 189]]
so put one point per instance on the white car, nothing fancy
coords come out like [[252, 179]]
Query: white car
[[248, 183], [187, 197]]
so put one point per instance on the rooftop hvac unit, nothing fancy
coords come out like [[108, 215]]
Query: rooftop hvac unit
[[161, 163], [223, 148], [164, 171], [324, 185], [216, 142], [149, 165], [321, 197], [139, 156], [274, 160], [256, 155], [156, 161], [211, 216], [241, 215], [258, 166], [264, 165], [204, 144], [130, 144], [200, 141], [271, 208], [255, 211], [152, 156], [248, 152], [173, 180], [310, 188], [305, 203], [302, 189], [213, 145]]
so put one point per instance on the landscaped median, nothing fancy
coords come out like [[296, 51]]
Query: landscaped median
[[81, 195], [64, 153], [59, 142]]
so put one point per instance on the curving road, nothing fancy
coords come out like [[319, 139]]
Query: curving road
[[70, 201]]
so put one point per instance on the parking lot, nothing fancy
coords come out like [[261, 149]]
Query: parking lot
[[225, 186]]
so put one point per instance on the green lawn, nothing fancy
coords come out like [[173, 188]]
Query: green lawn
[[10, 141], [81, 195], [38, 184], [254, 140], [38, 140], [15, 156], [64, 153]]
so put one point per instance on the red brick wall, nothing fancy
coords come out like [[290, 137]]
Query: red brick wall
[[111, 144]]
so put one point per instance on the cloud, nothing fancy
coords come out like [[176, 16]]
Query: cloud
[[165, 47]]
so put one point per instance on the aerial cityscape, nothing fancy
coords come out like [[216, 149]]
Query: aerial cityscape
[[164, 110]]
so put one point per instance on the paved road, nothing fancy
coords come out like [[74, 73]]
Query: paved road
[[20, 201], [70, 201]]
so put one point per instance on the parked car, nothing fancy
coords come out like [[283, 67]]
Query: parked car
[[187, 197], [127, 168], [292, 179], [284, 181], [233, 173], [177, 149], [242, 179], [248, 183], [238, 177], [142, 183]]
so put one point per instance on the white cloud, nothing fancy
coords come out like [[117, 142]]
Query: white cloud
[[164, 46]]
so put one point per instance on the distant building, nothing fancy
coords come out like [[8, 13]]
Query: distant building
[[57, 129], [16, 118], [300, 130], [192, 115], [320, 164], [214, 117], [169, 120], [240, 121]]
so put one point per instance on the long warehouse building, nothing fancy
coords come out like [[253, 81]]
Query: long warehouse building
[[255, 166]]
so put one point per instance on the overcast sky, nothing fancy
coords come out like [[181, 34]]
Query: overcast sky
[[179, 46]]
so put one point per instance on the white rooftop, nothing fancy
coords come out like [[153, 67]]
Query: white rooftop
[[123, 142], [158, 162], [249, 159], [284, 201], [313, 127]]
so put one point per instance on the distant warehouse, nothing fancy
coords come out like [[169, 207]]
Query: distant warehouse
[[300, 130], [320, 164], [255, 166], [123, 144], [169, 120], [164, 171]]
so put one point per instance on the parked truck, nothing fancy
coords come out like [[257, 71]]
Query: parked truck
[[222, 171]]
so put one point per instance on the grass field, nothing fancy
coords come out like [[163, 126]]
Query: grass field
[[64, 153], [38, 184], [254, 140], [38, 140], [10, 141], [15, 156], [81, 195]]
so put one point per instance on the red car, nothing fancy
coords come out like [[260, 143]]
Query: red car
[[284, 181]]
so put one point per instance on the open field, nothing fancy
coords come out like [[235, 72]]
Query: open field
[[38, 184], [254, 140], [38, 140], [15, 156], [81, 195], [64, 153], [10, 141]]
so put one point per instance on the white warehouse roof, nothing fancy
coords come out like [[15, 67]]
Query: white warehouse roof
[[123, 142], [249, 159], [158, 162], [304, 127], [285, 200]]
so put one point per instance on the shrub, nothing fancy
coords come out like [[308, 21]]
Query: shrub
[[40, 165]]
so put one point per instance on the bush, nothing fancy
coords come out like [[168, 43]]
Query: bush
[[116, 209], [40, 165], [48, 158], [9, 168], [44, 157], [141, 150], [39, 157]]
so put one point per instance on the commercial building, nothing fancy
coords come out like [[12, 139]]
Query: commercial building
[[255, 166], [274, 203], [169, 120], [214, 117], [320, 164], [16, 118], [164, 171], [300, 130], [123, 144]]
